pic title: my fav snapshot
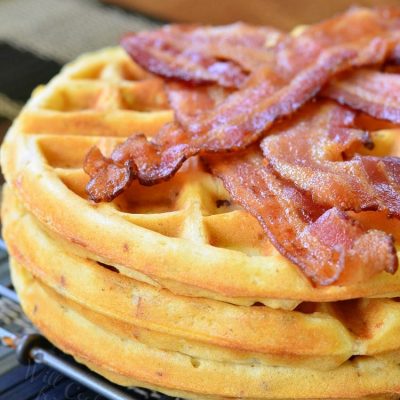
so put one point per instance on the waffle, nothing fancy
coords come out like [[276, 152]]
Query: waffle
[[175, 278]]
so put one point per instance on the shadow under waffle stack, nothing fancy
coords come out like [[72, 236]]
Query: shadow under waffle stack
[[173, 287]]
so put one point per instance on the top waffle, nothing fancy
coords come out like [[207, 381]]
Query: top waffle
[[185, 234]]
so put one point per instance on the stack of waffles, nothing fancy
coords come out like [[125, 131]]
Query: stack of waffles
[[173, 287]]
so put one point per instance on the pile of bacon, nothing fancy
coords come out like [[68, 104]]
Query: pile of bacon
[[278, 123]]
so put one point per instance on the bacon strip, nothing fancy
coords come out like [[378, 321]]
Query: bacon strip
[[212, 54], [202, 54], [373, 92], [137, 158], [309, 151], [326, 244]]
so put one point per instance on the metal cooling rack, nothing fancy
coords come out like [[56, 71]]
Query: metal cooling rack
[[45, 373]]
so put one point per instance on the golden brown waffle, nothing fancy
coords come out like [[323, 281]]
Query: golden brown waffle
[[164, 276]]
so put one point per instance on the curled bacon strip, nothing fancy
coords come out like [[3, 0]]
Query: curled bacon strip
[[308, 150], [137, 158], [375, 93], [202, 54], [223, 54], [325, 243]]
